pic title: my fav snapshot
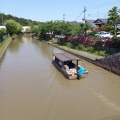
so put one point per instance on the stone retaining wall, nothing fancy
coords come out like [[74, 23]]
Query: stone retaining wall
[[111, 63]]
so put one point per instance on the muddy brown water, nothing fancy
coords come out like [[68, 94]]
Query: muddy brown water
[[31, 88]]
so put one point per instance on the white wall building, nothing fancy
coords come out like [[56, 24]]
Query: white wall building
[[24, 28], [2, 26]]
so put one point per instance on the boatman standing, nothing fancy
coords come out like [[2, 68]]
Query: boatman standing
[[80, 71]]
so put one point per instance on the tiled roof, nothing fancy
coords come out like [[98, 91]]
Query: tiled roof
[[91, 22], [101, 20]]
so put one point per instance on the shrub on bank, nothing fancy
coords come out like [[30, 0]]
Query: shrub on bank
[[100, 46], [81, 47], [2, 33]]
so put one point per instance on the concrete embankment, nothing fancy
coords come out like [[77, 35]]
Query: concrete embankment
[[110, 63], [4, 46]]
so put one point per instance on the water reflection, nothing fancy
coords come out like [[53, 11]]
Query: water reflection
[[13, 47], [45, 49]]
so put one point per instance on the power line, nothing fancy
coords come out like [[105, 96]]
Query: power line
[[94, 7], [103, 4], [64, 16], [81, 14], [78, 16], [97, 15]]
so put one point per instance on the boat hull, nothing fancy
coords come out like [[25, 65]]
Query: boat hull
[[68, 76]]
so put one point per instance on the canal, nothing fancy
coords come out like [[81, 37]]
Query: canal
[[31, 88]]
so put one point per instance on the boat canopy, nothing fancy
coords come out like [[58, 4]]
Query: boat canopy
[[65, 57]]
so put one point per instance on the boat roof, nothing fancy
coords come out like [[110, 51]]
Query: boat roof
[[65, 56]]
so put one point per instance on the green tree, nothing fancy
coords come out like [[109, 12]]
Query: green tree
[[82, 28], [62, 27], [56, 27], [107, 27], [2, 32], [113, 18], [76, 29], [34, 28], [65, 27], [13, 27], [22, 21]]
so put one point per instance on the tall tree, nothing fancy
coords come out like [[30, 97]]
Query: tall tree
[[13, 27], [62, 27], [82, 28], [113, 18]]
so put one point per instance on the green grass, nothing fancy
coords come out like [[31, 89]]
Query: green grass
[[4, 44]]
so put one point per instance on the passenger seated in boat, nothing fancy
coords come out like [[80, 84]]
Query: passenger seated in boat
[[66, 68], [69, 71], [70, 64]]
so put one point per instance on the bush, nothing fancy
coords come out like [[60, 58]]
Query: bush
[[62, 43], [90, 49], [2, 32], [69, 45], [116, 38], [81, 47], [100, 52]]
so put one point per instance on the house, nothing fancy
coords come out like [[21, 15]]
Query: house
[[91, 22], [100, 22], [96, 23], [24, 28], [118, 26]]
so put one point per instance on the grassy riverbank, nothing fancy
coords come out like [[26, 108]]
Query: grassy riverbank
[[4, 45], [80, 48], [82, 54]]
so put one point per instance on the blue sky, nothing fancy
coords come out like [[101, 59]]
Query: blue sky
[[47, 10]]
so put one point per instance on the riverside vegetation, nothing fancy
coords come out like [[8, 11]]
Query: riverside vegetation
[[75, 34]]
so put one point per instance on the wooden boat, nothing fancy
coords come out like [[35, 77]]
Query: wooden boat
[[65, 62]]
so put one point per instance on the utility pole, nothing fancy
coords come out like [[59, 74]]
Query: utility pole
[[84, 18], [84, 12], [97, 14], [63, 17], [2, 20]]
